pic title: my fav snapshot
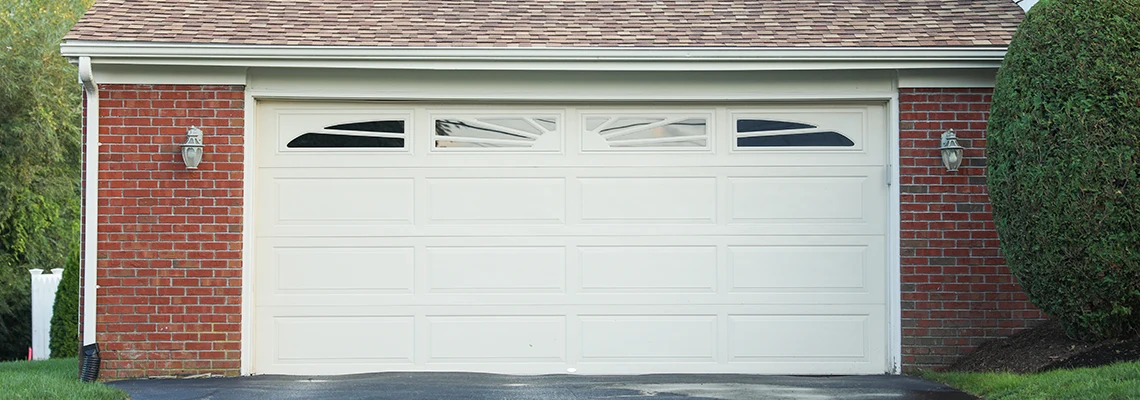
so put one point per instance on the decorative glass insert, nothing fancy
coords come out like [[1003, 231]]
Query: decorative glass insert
[[368, 134], [646, 132], [770, 133], [496, 132]]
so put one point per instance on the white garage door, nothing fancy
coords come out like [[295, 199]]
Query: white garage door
[[607, 239]]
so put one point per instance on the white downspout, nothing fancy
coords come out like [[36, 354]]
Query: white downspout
[[91, 201]]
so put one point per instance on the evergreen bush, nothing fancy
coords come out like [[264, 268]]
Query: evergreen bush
[[65, 312], [1064, 163]]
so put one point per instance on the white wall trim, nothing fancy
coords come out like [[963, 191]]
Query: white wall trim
[[556, 97], [91, 203], [170, 75], [894, 237], [948, 78], [249, 171], [598, 59]]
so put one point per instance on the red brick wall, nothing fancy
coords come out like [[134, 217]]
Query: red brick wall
[[170, 239], [956, 290]]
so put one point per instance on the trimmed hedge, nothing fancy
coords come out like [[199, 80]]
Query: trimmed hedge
[[65, 312], [1064, 163]]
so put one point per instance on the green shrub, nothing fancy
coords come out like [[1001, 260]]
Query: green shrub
[[16, 318], [1064, 168], [65, 313]]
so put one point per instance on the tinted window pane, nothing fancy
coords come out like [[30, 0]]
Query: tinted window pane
[[763, 125], [372, 126], [814, 139], [328, 140]]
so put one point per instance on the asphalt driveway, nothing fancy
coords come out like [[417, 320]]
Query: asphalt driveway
[[468, 386]]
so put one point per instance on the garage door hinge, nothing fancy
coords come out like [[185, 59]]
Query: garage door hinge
[[888, 174]]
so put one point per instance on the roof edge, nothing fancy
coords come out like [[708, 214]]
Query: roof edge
[[150, 53]]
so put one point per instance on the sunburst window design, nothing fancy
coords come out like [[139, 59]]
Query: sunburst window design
[[536, 133], [771, 133], [645, 132], [368, 134]]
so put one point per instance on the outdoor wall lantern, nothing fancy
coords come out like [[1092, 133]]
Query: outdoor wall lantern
[[951, 151], [192, 149]]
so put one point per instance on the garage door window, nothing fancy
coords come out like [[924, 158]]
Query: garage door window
[[465, 132], [367, 134], [646, 132], [771, 133]]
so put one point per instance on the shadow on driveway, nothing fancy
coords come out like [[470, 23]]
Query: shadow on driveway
[[446, 386]]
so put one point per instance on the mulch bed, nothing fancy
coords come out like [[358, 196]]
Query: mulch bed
[[1045, 348]]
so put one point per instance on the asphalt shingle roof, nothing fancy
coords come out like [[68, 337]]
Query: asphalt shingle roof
[[556, 23]]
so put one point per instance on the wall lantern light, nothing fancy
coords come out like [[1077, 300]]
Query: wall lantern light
[[951, 151], [192, 149]]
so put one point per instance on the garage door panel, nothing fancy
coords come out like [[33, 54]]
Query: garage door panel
[[331, 270], [560, 201], [648, 199], [594, 339], [825, 269], [342, 339], [496, 200], [767, 338], [648, 338], [345, 201], [496, 338], [590, 270], [648, 269], [509, 269], [798, 199]]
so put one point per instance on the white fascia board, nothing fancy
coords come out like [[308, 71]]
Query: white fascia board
[[947, 78], [607, 59]]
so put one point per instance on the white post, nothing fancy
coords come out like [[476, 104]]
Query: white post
[[43, 300]]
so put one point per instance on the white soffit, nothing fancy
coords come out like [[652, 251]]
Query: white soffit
[[169, 74], [947, 78], [569, 85], [599, 59]]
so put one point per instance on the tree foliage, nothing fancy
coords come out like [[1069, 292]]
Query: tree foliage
[[1064, 163], [39, 155]]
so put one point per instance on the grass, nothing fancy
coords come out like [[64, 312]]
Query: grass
[[51, 379], [1117, 381]]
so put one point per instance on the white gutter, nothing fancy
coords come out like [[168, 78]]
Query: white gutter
[[91, 201], [146, 53]]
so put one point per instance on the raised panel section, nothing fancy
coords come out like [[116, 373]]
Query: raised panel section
[[496, 269], [759, 338], [627, 269], [345, 201], [497, 200], [797, 199], [371, 270], [797, 268], [497, 338], [344, 339], [648, 338], [643, 199]]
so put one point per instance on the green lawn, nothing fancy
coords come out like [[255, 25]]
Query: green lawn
[[50, 379], [1117, 381]]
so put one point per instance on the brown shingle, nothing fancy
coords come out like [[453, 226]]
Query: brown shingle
[[555, 23]]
